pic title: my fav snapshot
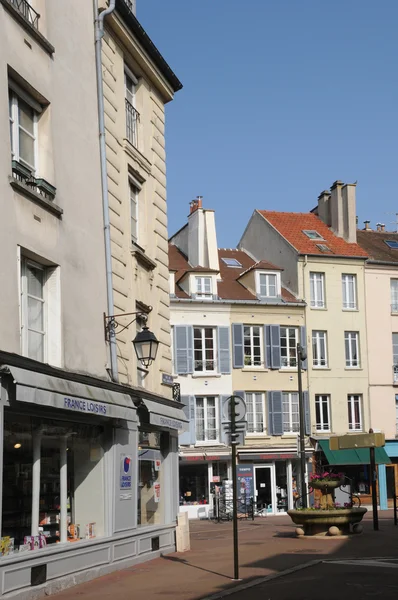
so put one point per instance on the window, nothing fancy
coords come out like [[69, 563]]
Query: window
[[395, 356], [290, 408], [289, 341], [312, 234], [268, 285], [152, 450], [349, 283], [319, 350], [203, 288], [392, 244], [23, 132], [206, 419], [134, 191], [323, 248], [396, 413], [231, 262], [255, 412], [204, 349], [132, 115], [252, 345], [352, 349], [355, 412], [322, 412], [33, 310], [317, 290], [394, 295]]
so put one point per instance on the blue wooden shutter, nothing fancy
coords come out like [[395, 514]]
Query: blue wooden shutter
[[188, 437], [224, 357], [275, 420], [237, 341], [275, 344], [303, 342], [307, 413], [183, 349], [267, 347]]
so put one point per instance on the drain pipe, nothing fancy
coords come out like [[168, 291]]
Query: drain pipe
[[99, 33]]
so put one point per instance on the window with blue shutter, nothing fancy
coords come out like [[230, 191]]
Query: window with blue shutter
[[183, 349], [303, 343], [273, 346], [187, 438], [237, 342], [275, 420], [224, 355], [307, 413]]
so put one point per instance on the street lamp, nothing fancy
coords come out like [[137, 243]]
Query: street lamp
[[145, 346], [301, 356]]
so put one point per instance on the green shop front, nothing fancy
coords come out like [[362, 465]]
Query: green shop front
[[89, 477]]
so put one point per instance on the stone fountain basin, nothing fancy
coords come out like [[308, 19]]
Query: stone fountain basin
[[340, 516]]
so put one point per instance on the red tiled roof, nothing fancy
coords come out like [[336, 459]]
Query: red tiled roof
[[229, 288], [291, 226], [262, 264]]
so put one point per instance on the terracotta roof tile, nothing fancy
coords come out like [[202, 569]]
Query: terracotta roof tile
[[374, 244], [291, 226]]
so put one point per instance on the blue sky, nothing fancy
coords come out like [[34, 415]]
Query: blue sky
[[280, 99]]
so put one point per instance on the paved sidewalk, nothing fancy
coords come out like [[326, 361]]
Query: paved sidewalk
[[267, 547]]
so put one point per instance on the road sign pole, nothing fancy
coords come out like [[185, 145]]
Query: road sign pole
[[303, 490], [234, 490], [373, 479]]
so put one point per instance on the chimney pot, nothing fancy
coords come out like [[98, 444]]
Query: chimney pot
[[382, 227], [378, 225], [195, 204], [367, 225]]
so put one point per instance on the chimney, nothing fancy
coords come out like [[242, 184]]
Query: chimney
[[336, 209], [382, 227], [348, 196], [367, 226], [202, 237], [195, 204], [378, 226], [324, 207]]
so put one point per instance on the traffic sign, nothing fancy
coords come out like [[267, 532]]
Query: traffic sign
[[240, 408]]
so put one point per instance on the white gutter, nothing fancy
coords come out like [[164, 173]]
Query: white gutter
[[99, 33]]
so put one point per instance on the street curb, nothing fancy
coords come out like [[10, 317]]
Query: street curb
[[250, 584]]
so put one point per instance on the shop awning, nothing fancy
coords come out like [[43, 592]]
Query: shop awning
[[359, 456], [163, 415], [46, 390]]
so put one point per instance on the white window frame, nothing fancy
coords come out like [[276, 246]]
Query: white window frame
[[349, 303], [322, 400], [265, 287], [319, 338], [350, 336], [396, 413], [25, 264], [14, 99], [289, 359], [206, 399], [352, 424], [130, 96], [200, 287], [203, 360], [317, 301], [251, 401], [394, 295], [134, 193], [261, 345], [293, 429]]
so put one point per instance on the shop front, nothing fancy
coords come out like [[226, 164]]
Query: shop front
[[201, 473], [275, 479], [88, 480]]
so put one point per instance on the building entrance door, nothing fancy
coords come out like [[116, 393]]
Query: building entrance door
[[263, 485]]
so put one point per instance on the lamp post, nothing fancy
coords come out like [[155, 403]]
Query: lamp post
[[301, 355]]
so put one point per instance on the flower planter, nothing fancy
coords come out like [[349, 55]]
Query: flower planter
[[332, 484], [320, 522]]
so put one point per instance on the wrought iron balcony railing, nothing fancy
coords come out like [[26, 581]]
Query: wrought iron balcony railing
[[395, 374], [132, 120], [27, 11]]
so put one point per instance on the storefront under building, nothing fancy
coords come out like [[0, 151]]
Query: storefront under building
[[89, 476]]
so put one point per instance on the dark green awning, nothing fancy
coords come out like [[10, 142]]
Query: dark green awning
[[360, 456]]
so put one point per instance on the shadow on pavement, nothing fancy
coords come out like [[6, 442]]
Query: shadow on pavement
[[182, 561]]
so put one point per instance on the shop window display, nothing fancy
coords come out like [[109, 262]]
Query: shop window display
[[194, 484], [151, 453], [38, 509], [281, 486]]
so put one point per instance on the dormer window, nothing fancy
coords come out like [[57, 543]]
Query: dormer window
[[268, 285], [312, 234], [231, 262], [204, 288]]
